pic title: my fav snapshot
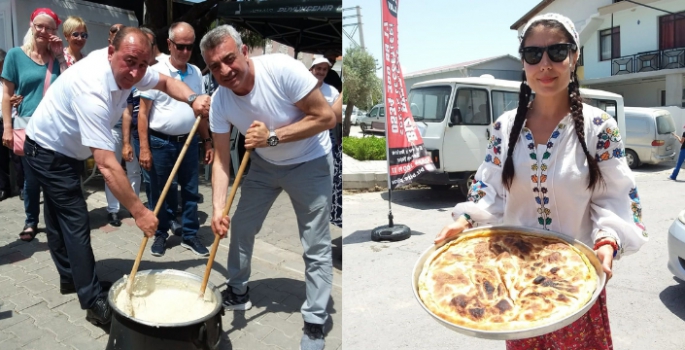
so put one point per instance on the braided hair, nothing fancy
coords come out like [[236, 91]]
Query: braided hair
[[576, 104]]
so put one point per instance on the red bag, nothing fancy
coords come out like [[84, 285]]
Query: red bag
[[20, 134]]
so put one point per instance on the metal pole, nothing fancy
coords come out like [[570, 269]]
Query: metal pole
[[169, 11], [361, 31], [387, 135]]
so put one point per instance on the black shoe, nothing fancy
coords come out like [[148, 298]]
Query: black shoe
[[68, 287], [100, 313], [196, 246], [312, 339], [234, 301], [159, 246], [113, 219], [175, 227]]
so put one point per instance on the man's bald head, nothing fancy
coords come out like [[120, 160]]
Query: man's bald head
[[179, 28], [130, 35]]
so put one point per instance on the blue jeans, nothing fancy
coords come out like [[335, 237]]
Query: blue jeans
[[31, 196], [681, 158], [164, 155], [172, 196]]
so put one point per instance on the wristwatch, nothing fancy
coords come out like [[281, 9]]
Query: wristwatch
[[192, 98], [273, 139]]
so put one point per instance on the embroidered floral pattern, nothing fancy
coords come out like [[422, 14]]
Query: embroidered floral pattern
[[496, 147], [636, 207], [606, 139], [476, 191], [539, 178]]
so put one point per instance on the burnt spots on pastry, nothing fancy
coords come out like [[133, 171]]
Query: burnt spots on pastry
[[506, 281]]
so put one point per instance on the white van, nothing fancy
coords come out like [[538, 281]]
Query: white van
[[455, 117], [648, 136]]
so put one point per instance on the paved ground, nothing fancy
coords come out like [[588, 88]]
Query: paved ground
[[646, 303], [34, 315]]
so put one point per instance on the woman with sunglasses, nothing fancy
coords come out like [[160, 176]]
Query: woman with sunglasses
[[27, 72], [76, 33], [555, 163]]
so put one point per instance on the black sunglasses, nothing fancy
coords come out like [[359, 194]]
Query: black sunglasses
[[84, 35], [556, 53], [182, 47]]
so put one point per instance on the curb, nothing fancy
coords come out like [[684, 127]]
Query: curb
[[365, 181], [263, 251]]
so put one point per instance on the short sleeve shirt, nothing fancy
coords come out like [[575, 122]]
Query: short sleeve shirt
[[280, 82], [81, 108], [28, 78]]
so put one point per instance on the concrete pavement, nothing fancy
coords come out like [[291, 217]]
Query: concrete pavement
[[34, 315], [646, 303]]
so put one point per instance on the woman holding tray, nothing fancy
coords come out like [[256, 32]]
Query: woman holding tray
[[557, 164]]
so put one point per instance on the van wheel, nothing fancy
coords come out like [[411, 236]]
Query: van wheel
[[440, 188], [632, 159], [466, 185]]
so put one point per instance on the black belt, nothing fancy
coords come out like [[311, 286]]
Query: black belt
[[174, 138], [36, 145]]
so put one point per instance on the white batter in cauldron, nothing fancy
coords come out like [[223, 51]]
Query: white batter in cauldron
[[164, 299]]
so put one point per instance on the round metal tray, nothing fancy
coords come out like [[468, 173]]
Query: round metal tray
[[524, 333]]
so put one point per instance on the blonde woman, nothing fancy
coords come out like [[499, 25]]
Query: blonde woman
[[26, 73], [76, 33]]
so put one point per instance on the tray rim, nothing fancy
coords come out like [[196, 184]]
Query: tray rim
[[523, 333]]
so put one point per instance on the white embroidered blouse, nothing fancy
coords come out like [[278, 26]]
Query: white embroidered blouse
[[549, 189]]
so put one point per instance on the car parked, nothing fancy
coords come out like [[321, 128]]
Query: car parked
[[377, 115], [676, 247], [649, 138], [356, 114]]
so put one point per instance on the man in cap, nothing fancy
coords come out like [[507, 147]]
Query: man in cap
[[73, 121]]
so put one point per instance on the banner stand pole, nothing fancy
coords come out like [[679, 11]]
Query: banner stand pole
[[390, 232]]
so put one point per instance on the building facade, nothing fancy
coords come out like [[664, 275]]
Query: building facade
[[633, 49]]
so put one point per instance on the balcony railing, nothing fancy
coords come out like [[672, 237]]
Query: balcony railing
[[649, 61]]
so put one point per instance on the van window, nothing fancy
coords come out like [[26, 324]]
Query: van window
[[608, 106], [474, 106], [382, 113], [503, 101], [429, 103], [664, 124], [636, 126], [374, 112]]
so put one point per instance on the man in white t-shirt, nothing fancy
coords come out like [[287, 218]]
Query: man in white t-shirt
[[74, 121], [163, 138], [273, 100]]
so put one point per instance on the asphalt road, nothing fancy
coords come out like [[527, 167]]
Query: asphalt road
[[646, 303]]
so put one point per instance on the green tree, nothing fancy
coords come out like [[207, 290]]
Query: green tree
[[359, 84]]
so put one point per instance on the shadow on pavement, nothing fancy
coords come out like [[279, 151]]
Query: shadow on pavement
[[425, 199], [651, 168], [337, 251], [19, 250], [260, 291], [673, 297], [363, 236]]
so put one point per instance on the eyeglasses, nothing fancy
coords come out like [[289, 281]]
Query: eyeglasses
[[83, 35], [40, 28], [182, 47], [556, 53]]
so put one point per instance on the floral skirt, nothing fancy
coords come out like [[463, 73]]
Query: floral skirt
[[590, 332]]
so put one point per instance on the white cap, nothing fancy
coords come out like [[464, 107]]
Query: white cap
[[320, 60]]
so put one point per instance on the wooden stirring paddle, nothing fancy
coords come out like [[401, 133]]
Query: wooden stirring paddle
[[160, 202], [215, 245]]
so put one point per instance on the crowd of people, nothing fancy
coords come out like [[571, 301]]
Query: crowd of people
[[131, 108]]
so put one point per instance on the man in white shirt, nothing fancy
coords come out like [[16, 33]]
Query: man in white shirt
[[73, 121], [162, 140], [275, 102]]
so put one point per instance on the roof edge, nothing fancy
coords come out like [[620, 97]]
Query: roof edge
[[530, 14]]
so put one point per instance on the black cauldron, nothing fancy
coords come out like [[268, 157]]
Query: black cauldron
[[129, 333]]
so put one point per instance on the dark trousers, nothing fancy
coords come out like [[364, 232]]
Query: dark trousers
[[8, 157], [66, 219]]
